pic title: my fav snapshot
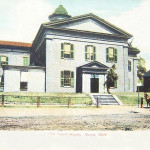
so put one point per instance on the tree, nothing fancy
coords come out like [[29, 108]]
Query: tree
[[141, 69], [141, 63], [112, 77]]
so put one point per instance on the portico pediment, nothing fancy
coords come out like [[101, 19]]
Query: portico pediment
[[94, 67]]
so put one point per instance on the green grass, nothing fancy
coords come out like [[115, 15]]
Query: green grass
[[130, 98], [46, 98], [62, 98]]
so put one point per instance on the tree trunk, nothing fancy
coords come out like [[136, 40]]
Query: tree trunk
[[108, 90]]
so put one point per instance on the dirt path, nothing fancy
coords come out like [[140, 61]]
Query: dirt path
[[105, 118]]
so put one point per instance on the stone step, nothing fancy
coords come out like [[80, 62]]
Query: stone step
[[105, 99], [109, 104]]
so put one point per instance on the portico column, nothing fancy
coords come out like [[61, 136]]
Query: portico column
[[104, 81]]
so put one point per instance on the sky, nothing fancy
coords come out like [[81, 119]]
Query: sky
[[20, 20]]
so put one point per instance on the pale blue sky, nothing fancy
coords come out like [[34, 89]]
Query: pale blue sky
[[21, 19], [111, 7], [103, 8]]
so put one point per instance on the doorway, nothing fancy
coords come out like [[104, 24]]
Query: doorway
[[94, 85]]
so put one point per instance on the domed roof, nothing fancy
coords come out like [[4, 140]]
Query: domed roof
[[60, 10], [60, 13]]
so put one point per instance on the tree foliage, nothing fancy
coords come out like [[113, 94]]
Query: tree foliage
[[112, 77], [141, 68]]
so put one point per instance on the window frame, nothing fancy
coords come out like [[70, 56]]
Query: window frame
[[71, 55], [115, 55], [23, 89], [71, 78], [3, 62], [89, 53]]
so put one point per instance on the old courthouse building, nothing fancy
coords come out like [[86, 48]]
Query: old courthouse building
[[69, 54]]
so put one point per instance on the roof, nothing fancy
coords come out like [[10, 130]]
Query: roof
[[18, 44], [133, 51], [147, 74], [7, 67], [90, 15], [60, 10]]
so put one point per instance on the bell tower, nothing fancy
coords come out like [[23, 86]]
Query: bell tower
[[60, 13]]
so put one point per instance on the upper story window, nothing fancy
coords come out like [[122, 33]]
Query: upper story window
[[67, 50], [111, 55], [90, 52], [25, 61], [3, 60], [129, 65], [67, 78]]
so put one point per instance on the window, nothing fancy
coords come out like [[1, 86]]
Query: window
[[129, 65], [3, 60], [23, 86], [26, 61], [129, 84], [90, 52], [111, 55], [113, 84], [67, 50], [67, 79], [24, 77]]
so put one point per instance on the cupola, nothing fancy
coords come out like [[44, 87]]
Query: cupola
[[60, 13]]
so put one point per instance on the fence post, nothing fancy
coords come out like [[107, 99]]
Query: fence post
[[69, 103], [97, 102], [38, 102], [3, 100], [141, 102]]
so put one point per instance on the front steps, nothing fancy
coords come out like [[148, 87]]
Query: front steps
[[106, 99]]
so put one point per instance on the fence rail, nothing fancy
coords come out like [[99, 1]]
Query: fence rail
[[38, 101]]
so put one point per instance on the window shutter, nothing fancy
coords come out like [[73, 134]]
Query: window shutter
[[72, 51], [24, 61], [129, 84], [94, 53], [115, 83], [6, 60], [107, 54], [62, 79], [85, 52], [62, 50], [129, 65], [115, 55], [28, 61], [72, 79]]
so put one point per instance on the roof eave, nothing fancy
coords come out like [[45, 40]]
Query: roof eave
[[88, 16], [89, 32]]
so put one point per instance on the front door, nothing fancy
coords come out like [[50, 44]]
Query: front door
[[94, 85]]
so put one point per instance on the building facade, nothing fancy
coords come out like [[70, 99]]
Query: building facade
[[74, 54]]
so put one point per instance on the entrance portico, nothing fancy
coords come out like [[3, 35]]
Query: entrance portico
[[91, 78]]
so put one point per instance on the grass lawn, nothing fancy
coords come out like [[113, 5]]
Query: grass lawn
[[130, 98], [47, 98], [63, 98]]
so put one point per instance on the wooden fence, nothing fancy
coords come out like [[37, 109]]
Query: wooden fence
[[69, 101]]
